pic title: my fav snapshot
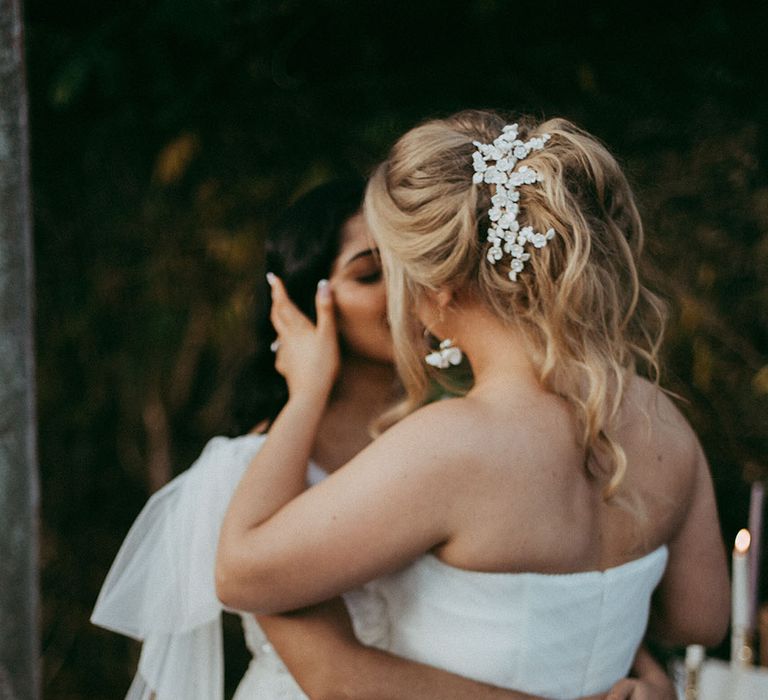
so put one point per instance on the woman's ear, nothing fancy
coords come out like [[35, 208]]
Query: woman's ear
[[432, 307], [443, 298], [428, 309]]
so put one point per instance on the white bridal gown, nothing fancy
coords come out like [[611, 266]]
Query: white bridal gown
[[560, 636]]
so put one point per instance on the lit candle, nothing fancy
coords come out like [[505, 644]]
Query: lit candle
[[740, 600]]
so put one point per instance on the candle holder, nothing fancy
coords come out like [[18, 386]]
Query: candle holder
[[694, 658], [742, 655]]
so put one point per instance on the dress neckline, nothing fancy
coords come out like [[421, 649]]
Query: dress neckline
[[641, 562]]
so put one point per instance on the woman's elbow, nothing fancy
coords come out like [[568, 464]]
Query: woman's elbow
[[226, 581], [711, 625], [714, 626], [232, 584], [226, 590], [706, 627], [708, 633], [237, 593], [240, 587]]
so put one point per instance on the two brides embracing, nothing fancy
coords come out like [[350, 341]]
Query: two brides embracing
[[518, 537]]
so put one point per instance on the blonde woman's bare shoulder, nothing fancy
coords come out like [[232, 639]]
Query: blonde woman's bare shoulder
[[446, 429], [644, 398], [658, 437]]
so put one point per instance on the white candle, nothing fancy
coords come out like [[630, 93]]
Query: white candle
[[740, 586], [740, 597], [694, 656]]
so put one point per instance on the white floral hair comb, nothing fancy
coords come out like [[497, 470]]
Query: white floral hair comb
[[495, 164]]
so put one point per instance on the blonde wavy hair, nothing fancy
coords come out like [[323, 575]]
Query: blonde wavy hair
[[580, 303]]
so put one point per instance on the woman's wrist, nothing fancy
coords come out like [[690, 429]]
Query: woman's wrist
[[310, 399]]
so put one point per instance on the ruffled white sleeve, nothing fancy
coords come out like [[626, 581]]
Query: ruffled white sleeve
[[161, 587]]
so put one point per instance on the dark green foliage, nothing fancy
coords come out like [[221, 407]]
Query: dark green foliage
[[168, 134]]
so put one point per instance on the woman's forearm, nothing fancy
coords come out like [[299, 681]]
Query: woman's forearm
[[377, 675], [277, 474], [320, 650], [308, 358]]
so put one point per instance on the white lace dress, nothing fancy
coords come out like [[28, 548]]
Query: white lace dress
[[561, 636]]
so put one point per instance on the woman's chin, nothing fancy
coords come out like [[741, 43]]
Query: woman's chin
[[370, 349], [380, 356]]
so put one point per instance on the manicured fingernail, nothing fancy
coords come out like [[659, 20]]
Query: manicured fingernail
[[324, 289], [271, 278]]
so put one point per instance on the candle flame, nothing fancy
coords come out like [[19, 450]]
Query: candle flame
[[742, 541]]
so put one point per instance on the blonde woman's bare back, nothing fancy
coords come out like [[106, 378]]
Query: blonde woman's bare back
[[528, 470], [528, 504]]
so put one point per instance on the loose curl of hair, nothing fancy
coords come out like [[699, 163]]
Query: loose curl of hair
[[589, 321]]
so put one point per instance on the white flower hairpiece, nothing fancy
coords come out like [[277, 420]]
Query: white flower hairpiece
[[495, 164]]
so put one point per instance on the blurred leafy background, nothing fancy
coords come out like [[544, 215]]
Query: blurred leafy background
[[167, 134]]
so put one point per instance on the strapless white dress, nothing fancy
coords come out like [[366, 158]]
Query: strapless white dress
[[561, 636]]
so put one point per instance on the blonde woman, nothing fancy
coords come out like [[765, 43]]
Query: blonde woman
[[518, 533], [523, 528]]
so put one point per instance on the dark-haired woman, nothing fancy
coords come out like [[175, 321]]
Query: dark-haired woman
[[160, 589]]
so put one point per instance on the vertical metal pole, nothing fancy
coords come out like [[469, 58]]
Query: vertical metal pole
[[19, 646]]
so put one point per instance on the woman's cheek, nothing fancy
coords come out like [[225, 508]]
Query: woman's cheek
[[360, 304], [378, 299], [377, 306], [362, 317]]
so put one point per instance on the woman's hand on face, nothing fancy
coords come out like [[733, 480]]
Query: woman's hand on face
[[307, 355]]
